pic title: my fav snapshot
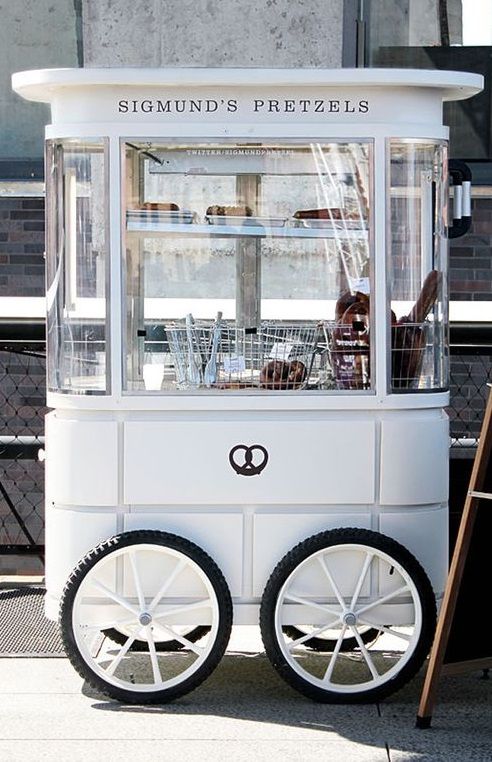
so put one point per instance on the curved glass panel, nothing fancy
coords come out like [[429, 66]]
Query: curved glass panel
[[77, 266], [417, 250]]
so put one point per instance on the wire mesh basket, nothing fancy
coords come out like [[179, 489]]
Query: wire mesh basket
[[408, 347], [280, 356], [221, 355], [349, 347]]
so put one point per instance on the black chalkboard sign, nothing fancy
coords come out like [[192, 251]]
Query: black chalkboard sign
[[466, 640], [456, 642]]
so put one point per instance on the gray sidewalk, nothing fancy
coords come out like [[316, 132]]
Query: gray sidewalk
[[243, 712]]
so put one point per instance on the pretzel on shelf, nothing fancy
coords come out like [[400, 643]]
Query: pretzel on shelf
[[217, 210], [159, 207], [282, 374]]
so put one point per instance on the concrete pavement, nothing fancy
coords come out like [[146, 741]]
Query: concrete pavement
[[242, 712]]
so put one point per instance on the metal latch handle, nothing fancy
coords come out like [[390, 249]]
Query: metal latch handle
[[461, 177]]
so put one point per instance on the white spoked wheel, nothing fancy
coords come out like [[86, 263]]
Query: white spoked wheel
[[343, 584], [148, 587]]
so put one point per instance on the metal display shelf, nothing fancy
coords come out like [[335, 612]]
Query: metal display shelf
[[234, 231]]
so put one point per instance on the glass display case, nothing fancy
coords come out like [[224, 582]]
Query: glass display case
[[238, 260], [247, 268]]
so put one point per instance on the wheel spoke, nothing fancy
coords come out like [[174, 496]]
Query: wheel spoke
[[153, 655], [187, 643], [110, 624], [167, 584], [312, 634], [360, 581], [332, 583], [365, 653], [334, 656], [124, 650], [312, 604], [383, 628], [115, 597], [385, 598], [205, 603], [136, 578]]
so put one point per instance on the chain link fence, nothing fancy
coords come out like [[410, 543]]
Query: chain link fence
[[22, 410], [471, 371], [22, 405]]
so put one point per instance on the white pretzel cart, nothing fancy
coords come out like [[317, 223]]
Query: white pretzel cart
[[247, 370]]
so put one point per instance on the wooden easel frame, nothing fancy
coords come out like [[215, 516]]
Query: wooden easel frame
[[445, 621]]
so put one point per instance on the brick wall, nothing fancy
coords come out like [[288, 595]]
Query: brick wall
[[471, 257], [21, 247]]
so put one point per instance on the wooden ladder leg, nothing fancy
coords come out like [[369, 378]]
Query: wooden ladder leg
[[448, 607]]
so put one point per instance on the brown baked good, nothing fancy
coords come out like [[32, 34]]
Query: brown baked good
[[347, 299], [408, 336], [319, 214], [158, 207], [229, 211], [335, 213], [427, 297], [274, 374], [281, 374], [296, 375]]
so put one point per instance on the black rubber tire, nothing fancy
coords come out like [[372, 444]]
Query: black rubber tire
[[326, 644], [329, 539], [163, 646], [163, 539]]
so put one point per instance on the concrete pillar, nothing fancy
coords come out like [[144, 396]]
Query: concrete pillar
[[216, 33], [424, 22], [34, 34], [388, 25], [396, 23]]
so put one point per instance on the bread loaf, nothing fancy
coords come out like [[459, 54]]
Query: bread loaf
[[229, 211], [427, 297], [319, 214], [158, 207]]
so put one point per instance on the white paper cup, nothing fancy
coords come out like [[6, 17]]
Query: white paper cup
[[153, 375]]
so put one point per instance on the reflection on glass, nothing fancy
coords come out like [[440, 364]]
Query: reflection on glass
[[248, 267], [418, 266], [76, 266]]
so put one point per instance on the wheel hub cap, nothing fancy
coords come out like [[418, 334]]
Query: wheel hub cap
[[145, 619], [350, 619]]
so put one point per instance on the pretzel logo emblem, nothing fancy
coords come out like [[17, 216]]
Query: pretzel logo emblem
[[244, 464]]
